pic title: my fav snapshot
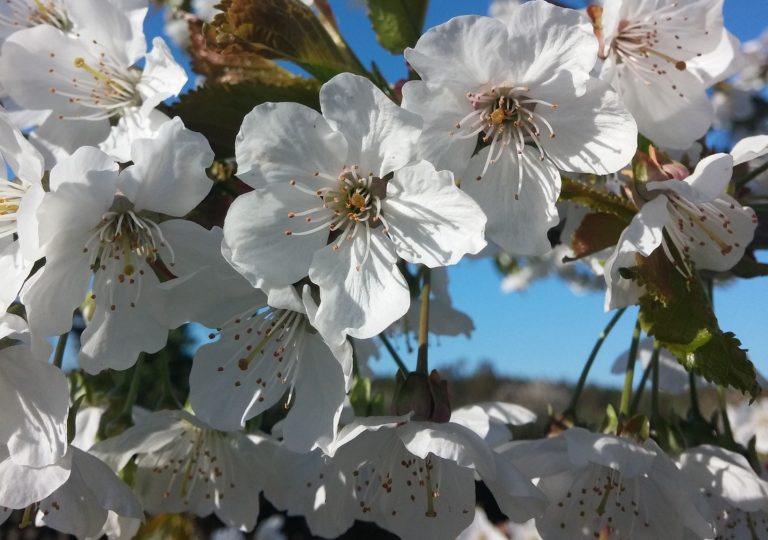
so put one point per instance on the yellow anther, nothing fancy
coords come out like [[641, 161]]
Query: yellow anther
[[357, 200], [497, 117]]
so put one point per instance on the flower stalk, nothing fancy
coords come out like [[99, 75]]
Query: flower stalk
[[422, 365], [626, 394], [571, 410]]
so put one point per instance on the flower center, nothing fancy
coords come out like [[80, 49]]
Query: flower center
[[192, 465], [10, 199], [122, 243], [351, 203], [28, 13], [505, 116]]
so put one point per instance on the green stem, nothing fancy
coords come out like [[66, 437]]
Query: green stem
[[133, 389], [640, 389], [655, 382], [571, 410], [61, 346], [692, 390], [393, 353], [724, 413], [626, 394], [422, 365], [741, 182], [167, 384]]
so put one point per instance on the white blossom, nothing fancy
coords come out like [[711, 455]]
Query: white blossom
[[523, 90], [337, 199], [608, 485], [111, 238], [695, 222]]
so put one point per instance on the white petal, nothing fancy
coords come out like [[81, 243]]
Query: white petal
[[441, 108], [359, 298], [18, 153], [34, 396], [429, 219], [382, 136], [549, 38], [21, 486], [168, 171], [279, 142], [115, 25], [593, 133], [57, 138], [82, 187], [131, 126], [749, 148], [643, 235], [125, 322], [467, 51], [518, 220], [673, 111], [54, 292], [706, 183], [255, 237], [161, 78], [199, 264], [319, 396], [80, 507], [14, 269]]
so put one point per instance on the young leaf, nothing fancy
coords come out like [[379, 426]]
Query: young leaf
[[398, 23], [596, 232], [281, 29]]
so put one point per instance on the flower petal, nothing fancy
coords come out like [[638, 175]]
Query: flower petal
[[359, 296], [429, 219], [518, 220], [279, 142], [382, 136]]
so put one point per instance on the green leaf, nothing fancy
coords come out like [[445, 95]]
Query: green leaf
[[397, 23], [217, 110], [678, 313], [596, 199], [282, 29]]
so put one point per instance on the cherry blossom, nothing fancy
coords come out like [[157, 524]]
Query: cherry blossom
[[608, 485], [524, 91], [416, 479], [695, 222], [651, 51], [734, 493], [112, 238], [346, 210], [182, 465]]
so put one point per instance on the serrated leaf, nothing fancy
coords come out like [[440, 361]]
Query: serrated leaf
[[217, 110], [596, 199], [679, 315], [596, 232], [280, 29], [397, 23]]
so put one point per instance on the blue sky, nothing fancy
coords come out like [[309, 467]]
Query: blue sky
[[547, 331]]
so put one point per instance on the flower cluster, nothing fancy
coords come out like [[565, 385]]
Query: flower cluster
[[307, 220]]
